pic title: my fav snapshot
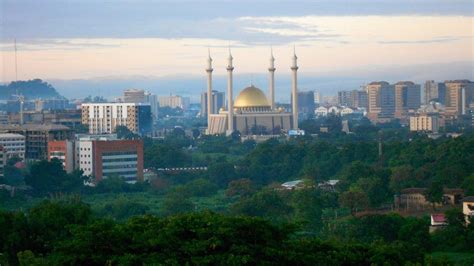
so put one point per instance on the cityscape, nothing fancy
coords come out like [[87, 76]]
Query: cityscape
[[295, 133]]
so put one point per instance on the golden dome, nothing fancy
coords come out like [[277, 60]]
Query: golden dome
[[251, 97]]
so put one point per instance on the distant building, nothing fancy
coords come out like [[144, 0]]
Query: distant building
[[106, 156], [459, 95], [3, 160], [37, 137], [52, 104], [344, 98], [407, 97], [152, 99], [13, 145], [425, 122], [381, 101], [353, 98], [306, 102], [174, 101], [103, 118], [218, 102], [70, 118], [317, 97], [435, 91], [134, 96]]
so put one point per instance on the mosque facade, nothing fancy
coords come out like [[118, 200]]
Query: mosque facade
[[252, 113]]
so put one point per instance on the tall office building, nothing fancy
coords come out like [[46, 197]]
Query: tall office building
[[306, 102], [407, 97], [459, 95], [344, 98], [174, 101], [381, 101], [218, 102], [134, 96], [152, 99], [434, 91], [353, 98], [103, 118]]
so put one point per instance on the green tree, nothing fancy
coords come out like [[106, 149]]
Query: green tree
[[50, 177], [354, 200], [434, 194], [241, 187], [175, 203]]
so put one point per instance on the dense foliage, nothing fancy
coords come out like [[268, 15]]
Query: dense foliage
[[31, 89], [65, 232]]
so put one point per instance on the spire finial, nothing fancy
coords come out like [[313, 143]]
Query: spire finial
[[209, 51]]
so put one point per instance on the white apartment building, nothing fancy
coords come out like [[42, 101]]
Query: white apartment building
[[103, 118], [13, 144]]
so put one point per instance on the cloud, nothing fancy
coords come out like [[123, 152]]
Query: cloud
[[53, 44], [445, 39]]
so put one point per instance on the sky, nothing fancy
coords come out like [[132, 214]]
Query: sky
[[163, 45]]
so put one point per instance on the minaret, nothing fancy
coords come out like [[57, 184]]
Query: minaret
[[209, 89], [294, 90], [230, 99], [271, 70]]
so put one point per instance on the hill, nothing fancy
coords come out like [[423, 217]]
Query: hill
[[31, 89]]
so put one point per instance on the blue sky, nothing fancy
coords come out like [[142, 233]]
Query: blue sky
[[167, 40]]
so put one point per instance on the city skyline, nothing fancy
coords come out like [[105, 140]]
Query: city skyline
[[164, 40]]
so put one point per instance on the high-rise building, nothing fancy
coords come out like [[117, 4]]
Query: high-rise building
[[407, 97], [459, 95], [353, 98], [152, 99], [134, 96], [3, 160], [344, 98], [435, 91], [218, 102], [174, 101], [381, 101], [306, 102], [103, 118]]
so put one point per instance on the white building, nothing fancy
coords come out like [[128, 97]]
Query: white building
[[174, 101], [13, 144], [321, 111], [103, 118], [152, 99]]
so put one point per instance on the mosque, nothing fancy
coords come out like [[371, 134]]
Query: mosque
[[252, 113]]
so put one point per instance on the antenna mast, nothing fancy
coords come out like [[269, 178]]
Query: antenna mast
[[16, 64]]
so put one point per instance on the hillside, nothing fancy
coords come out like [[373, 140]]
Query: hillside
[[31, 89]]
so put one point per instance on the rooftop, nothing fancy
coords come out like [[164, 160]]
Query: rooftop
[[34, 127]]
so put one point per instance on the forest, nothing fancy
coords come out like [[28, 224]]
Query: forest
[[237, 213]]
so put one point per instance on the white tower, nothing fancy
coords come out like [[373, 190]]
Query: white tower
[[209, 89], [271, 82], [294, 90], [230, 99]]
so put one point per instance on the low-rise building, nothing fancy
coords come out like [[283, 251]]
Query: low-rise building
[[3, 160], [37, 137], [468, 208], [13, 145], [106, 156], [63, 150]]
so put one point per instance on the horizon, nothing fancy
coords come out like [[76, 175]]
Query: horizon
[[167, 41]]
